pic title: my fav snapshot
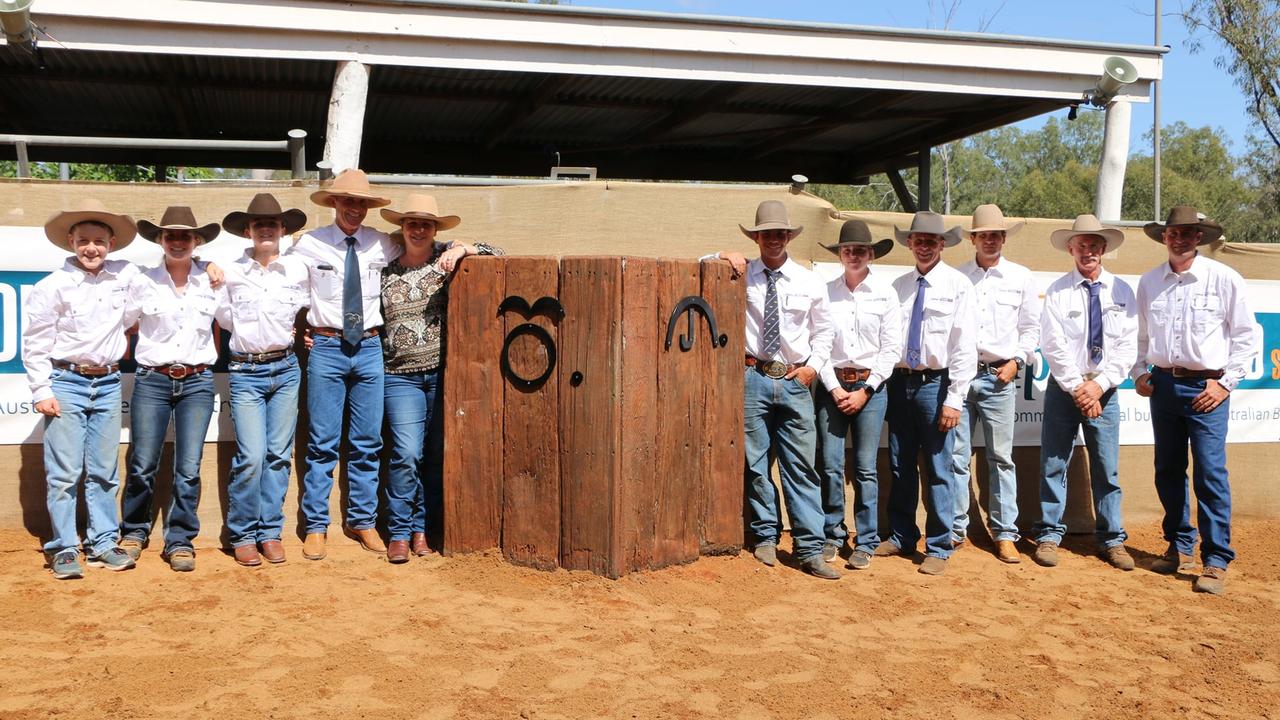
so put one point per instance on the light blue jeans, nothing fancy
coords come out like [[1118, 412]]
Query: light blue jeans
[[156, 399], [1057, 441], [84, 441], [915, 405], [778, 422], [833, 426], [264, 408], [410, 404], [993, 404], [340, 377]]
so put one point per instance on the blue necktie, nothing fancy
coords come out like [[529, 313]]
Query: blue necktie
[[917, 321], [772, 337], [1095, 321], [352, 302]]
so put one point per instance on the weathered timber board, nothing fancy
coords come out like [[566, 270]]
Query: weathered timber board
[[720, 530], [531, 460], [473, 417], [590, 415], [641, 338]]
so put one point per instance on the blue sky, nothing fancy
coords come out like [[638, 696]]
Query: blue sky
[[1194, 90]]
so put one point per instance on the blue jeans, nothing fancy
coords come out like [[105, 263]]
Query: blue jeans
[[84, 441], [410, 404], [1175, 426], [156, 399], [340, 376], [915, 405], [778, 422], [833, 426], [993, 403], [264, 408], [1057, 440]]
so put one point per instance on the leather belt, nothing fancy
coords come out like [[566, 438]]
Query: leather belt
[[992, 367], [775, 369], [177, 371], [926, 372], [87, 370], [852, 374], [336, 333], [259, 358], [1181, 372]]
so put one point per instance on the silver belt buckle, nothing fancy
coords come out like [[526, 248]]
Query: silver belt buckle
[[775, 369], [178, 372]]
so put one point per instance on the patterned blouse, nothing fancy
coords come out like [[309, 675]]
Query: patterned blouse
[[415, 301]]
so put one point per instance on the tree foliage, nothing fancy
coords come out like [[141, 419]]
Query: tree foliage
[[1250, 30]]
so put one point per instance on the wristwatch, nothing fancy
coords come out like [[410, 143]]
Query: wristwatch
[[1022, 364]]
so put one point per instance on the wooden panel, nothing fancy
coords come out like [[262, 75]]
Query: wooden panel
[[473, 416], [640, 347], [680, 417], [720, 530], [531, 463], [590, 415]]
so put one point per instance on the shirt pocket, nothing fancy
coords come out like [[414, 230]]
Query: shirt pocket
[[325, 282], [372, 285], [160, 320], [1006, 306], [1207, 314], [1113, 319], [938, 312], [796, 307], [868, 320]]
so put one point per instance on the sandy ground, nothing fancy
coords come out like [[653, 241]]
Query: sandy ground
[[473, 637]]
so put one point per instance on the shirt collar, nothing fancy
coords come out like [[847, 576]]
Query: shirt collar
[[78, 273], [1195, 271], [251, 265], [785, 270], [1104, 277]]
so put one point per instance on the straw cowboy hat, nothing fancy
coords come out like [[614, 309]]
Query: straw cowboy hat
[[929, 223], [350, 183], [772, 215], [1087, 225], [263, 205], [989, 218], [59, 226], [177, 217], [1181, 215], [422, 207], [856, 232]]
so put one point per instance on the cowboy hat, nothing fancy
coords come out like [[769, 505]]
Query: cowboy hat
[[59, 226], [263, 205], [929, 223], [177, 217], [422, 207], [1086, 225], [772, 215], [989, 218], [1184, 215], [350, 183], [856, 233]]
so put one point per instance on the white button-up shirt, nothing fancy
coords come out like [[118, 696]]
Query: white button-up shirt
[[1064, 331], [1198, 319], [77, 318], [804, 321], [264, 302], [946, 330], [868, 329], [324, 251], [175, 328], [1008, 310]]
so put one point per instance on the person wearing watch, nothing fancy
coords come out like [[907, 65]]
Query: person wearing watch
[[868, 341], [1007, 328]]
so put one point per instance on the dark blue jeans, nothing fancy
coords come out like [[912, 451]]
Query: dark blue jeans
[[156, 399], [264, 408], [1176, 426], [915, 405]]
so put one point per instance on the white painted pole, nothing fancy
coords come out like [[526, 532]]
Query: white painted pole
[[1115, 155], [345, 127]]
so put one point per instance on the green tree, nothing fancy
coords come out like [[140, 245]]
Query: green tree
[[1250, 30]]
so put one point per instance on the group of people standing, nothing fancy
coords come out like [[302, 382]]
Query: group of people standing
[[376, 323], [936, 353]]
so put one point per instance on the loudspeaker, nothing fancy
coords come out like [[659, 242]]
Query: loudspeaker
[[15, 16], [1116, 73]]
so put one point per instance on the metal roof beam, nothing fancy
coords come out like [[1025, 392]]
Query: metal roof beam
[[522, 110]]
